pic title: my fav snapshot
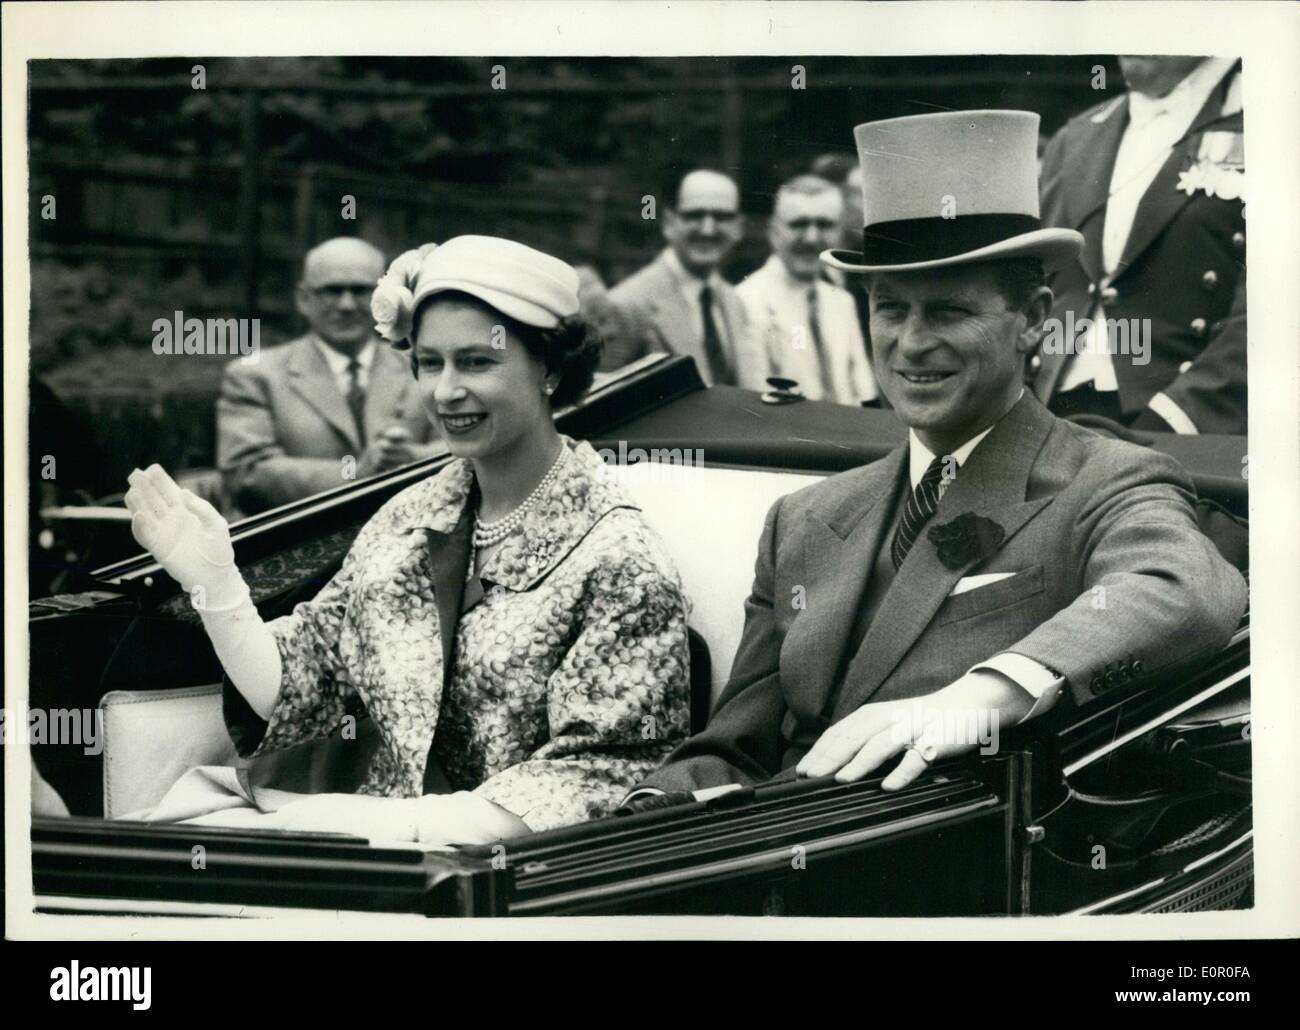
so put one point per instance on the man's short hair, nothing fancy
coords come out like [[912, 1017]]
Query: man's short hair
[[1019, 279], [671, 182], [834, 167], [806, 185]]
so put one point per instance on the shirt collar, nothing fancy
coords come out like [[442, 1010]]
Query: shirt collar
[[1184, 100], [689, 284], [339, 363], [776, 268], [580, 495], [919, 455]]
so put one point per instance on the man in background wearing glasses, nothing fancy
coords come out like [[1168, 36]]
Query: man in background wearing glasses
[[326, 408], [680, 303], [808, 327]]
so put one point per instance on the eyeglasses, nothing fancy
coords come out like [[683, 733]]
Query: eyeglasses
[[804, 224], [697, 215], [334, 293]]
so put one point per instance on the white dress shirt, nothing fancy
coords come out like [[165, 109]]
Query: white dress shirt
[[690, 287], [1155, 126], [779, 306], [339, 363]]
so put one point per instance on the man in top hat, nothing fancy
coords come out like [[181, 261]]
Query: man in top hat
[[999, 564], [806, 328], [331, 406], [1153, 179], [680, 303]]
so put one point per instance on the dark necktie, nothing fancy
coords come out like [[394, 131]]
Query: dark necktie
[[719, 370], [357, 399], [814, 325], [920, 506]]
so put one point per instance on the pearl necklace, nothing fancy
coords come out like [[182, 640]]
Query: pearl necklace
[[487, 534]]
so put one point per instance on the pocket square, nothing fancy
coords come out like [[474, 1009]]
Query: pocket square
[[967, 583]]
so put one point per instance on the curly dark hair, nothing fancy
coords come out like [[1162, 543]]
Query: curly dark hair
[[572, 349]]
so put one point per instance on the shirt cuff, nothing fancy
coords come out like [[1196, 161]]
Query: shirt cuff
[[1173, 414], [1034, 678]]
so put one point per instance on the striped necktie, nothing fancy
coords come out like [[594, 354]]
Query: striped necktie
[[920, 506]]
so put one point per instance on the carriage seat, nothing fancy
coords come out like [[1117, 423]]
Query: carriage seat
[[709, 518]]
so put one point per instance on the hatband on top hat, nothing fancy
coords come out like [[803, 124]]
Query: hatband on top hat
[[951, 188]]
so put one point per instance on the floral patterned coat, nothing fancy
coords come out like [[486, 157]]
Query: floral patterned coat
[[550, 687]]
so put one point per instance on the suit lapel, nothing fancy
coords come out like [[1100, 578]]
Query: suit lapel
[[1162, 199], [311, 378], [1094, 165], [389, 376], [670, 314], [839, 549], [992, 484]]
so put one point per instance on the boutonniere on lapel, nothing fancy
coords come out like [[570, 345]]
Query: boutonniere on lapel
[[1219, 169], [966, 538]]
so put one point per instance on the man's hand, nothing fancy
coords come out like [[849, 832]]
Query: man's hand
[[394, 448], [927, 729]]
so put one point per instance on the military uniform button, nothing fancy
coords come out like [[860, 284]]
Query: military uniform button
[[1184, 367], [1035, 362], [1239, 240], [1199, 326], [1109, 295], [1095, 684], [1210, 279], [1138, 667], [1092, 289]]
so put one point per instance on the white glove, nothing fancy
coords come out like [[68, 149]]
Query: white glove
[[187, 536]]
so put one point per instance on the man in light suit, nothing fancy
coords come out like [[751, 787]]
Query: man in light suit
[[806, 328], [680, 303], [1001, 563], [1153, 180], [334, 405]]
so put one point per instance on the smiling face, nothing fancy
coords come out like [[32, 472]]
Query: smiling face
[[802, 226], [706, 224], [484, 399], [334, 295], [949, 353]]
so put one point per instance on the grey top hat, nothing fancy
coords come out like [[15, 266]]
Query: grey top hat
[[951, 188]]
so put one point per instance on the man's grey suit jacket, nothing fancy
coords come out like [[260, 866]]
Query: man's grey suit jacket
[[1110, 570], [283, 426], [660, 319]]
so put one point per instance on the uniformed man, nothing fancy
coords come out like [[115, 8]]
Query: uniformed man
[[1156, 304]]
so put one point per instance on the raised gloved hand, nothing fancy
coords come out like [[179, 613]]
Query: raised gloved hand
[[186, 535]]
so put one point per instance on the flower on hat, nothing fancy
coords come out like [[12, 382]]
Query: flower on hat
[[393, 302]]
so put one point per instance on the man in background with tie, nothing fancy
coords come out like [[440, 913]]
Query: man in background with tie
[[1002, 563], [334, 405], [1154, 181], [680, 303], [806, 328]]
